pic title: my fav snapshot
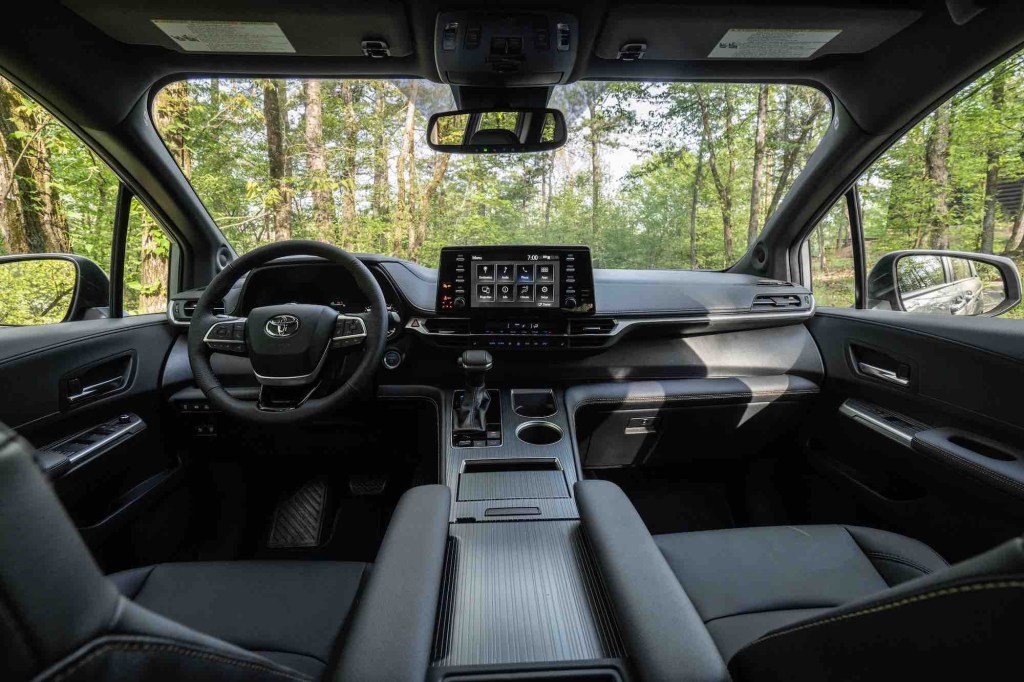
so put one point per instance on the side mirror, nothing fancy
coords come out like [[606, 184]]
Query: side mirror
[[496, 131], [944, 283], [46, 288]]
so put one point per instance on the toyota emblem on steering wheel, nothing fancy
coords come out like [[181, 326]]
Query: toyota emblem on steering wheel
[[282, 326]]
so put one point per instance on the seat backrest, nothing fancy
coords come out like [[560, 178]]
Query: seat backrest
[[60, 617], [954, 624]]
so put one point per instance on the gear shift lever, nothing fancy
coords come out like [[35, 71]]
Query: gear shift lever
[[471, 414]]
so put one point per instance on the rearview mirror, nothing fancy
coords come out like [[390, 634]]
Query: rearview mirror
[[501, 131], [944, 283], [49, 288]]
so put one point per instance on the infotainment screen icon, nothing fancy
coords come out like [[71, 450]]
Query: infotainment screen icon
[[492, 281]]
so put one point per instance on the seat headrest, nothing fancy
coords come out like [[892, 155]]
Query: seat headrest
[[493, 136]]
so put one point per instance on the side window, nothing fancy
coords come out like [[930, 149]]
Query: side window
[[953, 182], [58, 202], [146, 258], [56, 197], [962, 269], [916, 273], [831, 253]]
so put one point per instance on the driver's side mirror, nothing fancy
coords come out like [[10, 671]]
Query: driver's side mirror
[[47, 288], [944, 283]]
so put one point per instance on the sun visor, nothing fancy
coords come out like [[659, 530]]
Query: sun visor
[[327, 29], [745, 32]]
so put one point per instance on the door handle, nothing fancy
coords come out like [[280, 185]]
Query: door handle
[[882, 373], [97, 389]]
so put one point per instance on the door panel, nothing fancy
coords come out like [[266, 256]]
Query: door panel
[[931, 442], [68, 385]]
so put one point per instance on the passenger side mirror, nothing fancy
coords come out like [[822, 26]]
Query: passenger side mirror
[[944, 283], [49, 288], [501, 131]]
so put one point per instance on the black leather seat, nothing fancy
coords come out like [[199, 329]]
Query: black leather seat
[[61, 619], [745, 582], [801, 603], [288, 611]]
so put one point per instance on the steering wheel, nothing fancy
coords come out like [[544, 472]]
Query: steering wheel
[[289, 345]]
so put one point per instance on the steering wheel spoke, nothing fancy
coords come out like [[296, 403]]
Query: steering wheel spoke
[[349, 331], [227, 336]]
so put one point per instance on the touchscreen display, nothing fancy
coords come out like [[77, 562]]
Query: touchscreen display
[[531, 283], [515, 281]]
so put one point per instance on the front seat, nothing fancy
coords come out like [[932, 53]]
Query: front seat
[[61, 619], [801, 602]]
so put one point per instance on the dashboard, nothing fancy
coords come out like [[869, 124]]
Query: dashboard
[[522, 298]]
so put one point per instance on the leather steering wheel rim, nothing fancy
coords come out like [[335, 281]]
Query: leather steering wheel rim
[[376, 323]]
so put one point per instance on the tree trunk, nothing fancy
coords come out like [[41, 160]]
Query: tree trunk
[[761, 129], [694, 199], [322, 190], [793, 150], [277, 158], [349, 217], [381, 196], [42, 225], [937, 169], [12, 224], [993, 158], [821, 249], [423, 215], [595, 169], [722, 186], [405, 169]]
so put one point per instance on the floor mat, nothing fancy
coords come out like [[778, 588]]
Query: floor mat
[[299, 517]]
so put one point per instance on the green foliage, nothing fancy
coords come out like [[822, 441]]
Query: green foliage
[[36, 291], [622, 184]]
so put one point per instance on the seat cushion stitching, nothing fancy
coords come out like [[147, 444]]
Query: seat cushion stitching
[[865, 552], [946, 592], [171, 648], [782, 610], [142, 585], [263, 650], [896, 558]]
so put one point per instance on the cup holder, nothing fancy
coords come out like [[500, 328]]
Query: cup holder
[[539, 433], [533, 403]]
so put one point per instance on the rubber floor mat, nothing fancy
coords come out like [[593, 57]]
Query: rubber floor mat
[[299, 518]]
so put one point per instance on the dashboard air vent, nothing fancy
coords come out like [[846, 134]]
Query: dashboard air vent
[[189, 307], [773, 283], [775, 302], [596, 325]]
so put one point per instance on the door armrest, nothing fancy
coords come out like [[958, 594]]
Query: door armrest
[[985, 460]]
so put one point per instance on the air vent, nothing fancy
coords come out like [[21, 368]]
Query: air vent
[[180, 312], [772, 302], [189, 307], [773, 283], [603, 325], [447, 327]]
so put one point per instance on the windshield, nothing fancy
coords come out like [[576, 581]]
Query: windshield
[[654, 175]]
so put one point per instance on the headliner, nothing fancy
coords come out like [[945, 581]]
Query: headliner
[[95, 80]]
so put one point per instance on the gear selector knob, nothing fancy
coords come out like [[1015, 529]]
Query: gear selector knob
[[476, 364]]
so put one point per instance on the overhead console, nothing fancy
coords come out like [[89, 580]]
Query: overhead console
[[505, 49]]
